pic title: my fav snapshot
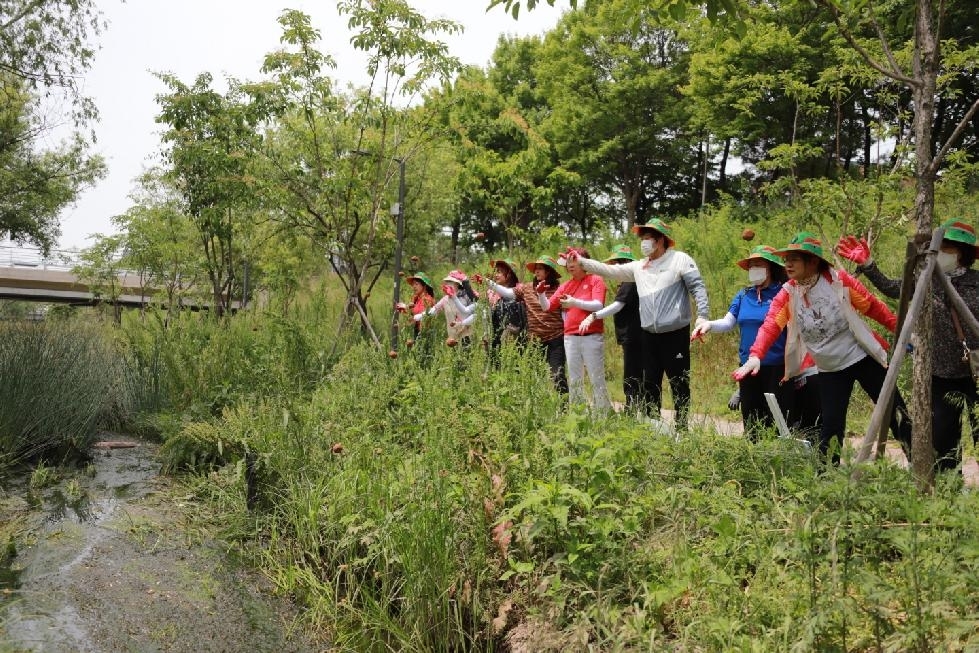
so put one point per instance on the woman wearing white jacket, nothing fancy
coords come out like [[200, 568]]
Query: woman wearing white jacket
[[665, 281]]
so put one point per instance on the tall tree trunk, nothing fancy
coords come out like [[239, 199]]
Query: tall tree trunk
[[722, 179], [926, 56], [868, 139]]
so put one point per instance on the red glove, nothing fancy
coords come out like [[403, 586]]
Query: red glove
[[401, 307], [478, 278], [449, 289], [571, 254], [541, 287], [854, 250]]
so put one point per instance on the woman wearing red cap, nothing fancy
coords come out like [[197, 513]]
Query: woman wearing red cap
[[952, 384]]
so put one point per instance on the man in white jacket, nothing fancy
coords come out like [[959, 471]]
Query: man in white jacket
[[665, 280]]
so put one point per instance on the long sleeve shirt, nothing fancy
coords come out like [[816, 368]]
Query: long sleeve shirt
[[589, 289], [946, 361], [664, 286], [748, 310], [823, 320]]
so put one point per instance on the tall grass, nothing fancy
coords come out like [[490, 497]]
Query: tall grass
[[60, 382], [442, 504]]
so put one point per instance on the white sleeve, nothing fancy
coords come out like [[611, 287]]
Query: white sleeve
[[724, 324], [468, 309], [609, 310], [502, 291], [439, 306], [590, 305]]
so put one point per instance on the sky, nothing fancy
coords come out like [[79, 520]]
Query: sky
[[225, 38]]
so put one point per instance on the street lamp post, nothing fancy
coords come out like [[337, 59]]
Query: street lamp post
[[399, 210]]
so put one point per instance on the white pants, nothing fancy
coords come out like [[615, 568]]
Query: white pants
[[586, 352]]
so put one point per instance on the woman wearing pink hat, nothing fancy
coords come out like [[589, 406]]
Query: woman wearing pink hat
[[458, 303]]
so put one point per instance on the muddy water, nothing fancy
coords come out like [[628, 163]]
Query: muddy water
[[108, 562]]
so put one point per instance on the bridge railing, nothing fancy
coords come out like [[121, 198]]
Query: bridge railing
[[13, 256]]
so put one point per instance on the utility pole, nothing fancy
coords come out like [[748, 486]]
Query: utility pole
[[399, 211]]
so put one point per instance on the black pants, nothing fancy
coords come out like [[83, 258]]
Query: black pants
[[804, 407], [553, 352], [667, 353], [948, 399], [755, 414], [835, 389], [632, 366]]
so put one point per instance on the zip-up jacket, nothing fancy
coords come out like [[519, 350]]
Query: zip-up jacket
[[664, 286]]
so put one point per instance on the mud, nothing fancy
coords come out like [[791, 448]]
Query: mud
[[107, 561]]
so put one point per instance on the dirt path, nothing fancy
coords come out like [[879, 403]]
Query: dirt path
[[110, 564]]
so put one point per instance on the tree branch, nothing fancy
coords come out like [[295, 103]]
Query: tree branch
[[896, 74], [959, 128]]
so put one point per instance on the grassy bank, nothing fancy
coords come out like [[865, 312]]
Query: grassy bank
[[444, 504]]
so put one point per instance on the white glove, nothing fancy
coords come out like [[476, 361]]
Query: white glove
[[569, 302], [419, 317], [751, 366], [701, 326], [585, 323]]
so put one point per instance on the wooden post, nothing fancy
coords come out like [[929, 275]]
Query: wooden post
[[907, 283], [922, 290]]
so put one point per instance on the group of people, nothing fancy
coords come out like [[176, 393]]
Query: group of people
[[800, 321]]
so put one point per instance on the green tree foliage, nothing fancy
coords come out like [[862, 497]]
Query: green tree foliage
[[211, 137], [330, 162], [44, 48], [160, 243], [47, 44], [36, 183], [612, 75]]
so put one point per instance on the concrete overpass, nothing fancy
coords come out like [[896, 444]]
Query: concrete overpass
[[27, 275]]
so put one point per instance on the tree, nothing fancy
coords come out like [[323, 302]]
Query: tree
[[44, 48], [329, 160], [618, 119], [159, 243], [46, 44], [36, 184], [211, 137], [878, 35]]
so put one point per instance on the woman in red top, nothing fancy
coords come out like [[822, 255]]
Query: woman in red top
[[578, 298], [422, 299]]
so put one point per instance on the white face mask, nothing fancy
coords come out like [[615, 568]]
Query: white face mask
[[757, 276], [947, 262], [647, 246]]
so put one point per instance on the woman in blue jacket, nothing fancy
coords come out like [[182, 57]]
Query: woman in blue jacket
[[766, 274]]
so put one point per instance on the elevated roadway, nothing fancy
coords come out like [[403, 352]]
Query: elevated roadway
[[27, 275]]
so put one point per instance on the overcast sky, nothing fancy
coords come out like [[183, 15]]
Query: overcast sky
[[225, 38]]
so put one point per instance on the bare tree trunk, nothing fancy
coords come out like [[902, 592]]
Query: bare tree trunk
[[925, 62]]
